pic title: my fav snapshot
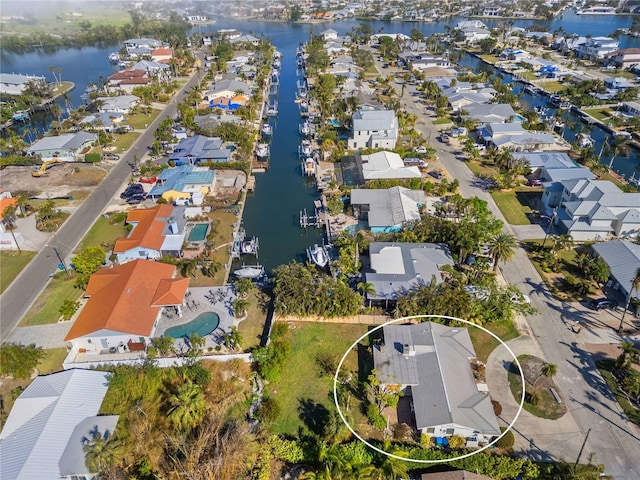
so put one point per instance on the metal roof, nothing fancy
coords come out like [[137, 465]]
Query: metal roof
[[72, 461], [623, 258], [66, 141], [390, 207], [373, 120], [43, 419]]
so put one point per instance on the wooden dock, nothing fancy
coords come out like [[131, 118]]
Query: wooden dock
[[251, 183]]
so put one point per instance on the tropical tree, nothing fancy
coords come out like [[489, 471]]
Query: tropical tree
[[243, 286], [9, 221], [86, 262], [240, 306], [101, 450], [635, 285], [549, 369], [19, 360], [186, 406], [366, 289], [503, 247]]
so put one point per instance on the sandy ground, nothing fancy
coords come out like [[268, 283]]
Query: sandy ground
[[60, 181]]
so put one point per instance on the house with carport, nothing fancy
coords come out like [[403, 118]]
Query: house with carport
[[66, 147], [45, 435], [123, 306], [184, 185], [431, 364], [158, 231]]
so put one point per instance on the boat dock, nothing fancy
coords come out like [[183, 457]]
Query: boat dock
[[251, 183], [307, 220]]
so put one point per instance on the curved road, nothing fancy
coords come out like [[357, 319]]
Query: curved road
[[613, 439], [23, 291]]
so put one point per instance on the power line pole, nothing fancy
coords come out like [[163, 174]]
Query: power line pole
[[581, 449], [64, 265]]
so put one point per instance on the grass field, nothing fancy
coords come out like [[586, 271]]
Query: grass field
[[251, 328], [601, 114], [551, 87], [516, 205], [11, 264], [303, 389], [45, 309], [484, 343], [482, 168], [56, 20], [105, 232], [139, 120]]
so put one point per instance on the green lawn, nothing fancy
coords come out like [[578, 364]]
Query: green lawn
[[61, 21], [442, 120], [52, 362], [105, 232], [528, 76], [484, 343], [489, 58], [551, 87], [124, 141], [601, 114], [139, 120], [606, 366], [252, 327], [482, 168], [45, 309], [302, 383], [11, 264], [515, 205]]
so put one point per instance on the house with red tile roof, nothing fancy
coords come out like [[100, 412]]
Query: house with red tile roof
[[124, 304], [7, 239], [127, 80], [162, 55], [156, 232]]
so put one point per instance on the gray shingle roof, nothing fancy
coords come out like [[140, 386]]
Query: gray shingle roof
[[434, 360]]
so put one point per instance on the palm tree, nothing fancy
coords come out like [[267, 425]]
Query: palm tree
[[503, 247], [635, 285], [366, 289], [187, 406], [240, 306], [9, 221], [101, 450], [549, 369]]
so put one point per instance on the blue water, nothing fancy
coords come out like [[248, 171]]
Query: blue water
[[199, 232], [203, 325]]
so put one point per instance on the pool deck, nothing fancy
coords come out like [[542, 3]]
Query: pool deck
[[203, 299]]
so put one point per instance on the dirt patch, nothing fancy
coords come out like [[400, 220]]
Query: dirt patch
[[58, 182], [608, 351]]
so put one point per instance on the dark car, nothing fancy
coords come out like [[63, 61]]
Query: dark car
[[600, 303], [137, 198], [436, 174], [134, 189]]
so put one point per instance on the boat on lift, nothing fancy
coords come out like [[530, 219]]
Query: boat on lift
[[20, 115], [309, 167], [249, 246], [250, 271], [305, 148], [262, 151], [583, 140], [318, 255], [114, 58], [266, 130], [305, 129]]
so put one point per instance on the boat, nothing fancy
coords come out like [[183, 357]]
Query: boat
[[262, 150], [555, 99], [304, 105], [583, 140], [114, 58], [252, 272], [302, 93], [305, 129], [318, 255], [266, 130], [305, 148], [597, 11], [276, 64], [20, 115], [309, 167], [249, 247], [564, 105]]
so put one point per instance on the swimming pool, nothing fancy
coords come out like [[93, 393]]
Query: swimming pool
[[203, 324], [198, 232], [519, 118]]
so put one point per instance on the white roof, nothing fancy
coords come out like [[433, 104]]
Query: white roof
[[387, 165], [43, 420]]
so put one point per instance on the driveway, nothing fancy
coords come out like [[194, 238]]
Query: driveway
[[613, 439]]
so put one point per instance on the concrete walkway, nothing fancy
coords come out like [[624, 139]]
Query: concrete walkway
[[537, 438]]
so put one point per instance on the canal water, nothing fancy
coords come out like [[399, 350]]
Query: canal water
[[272, 212]]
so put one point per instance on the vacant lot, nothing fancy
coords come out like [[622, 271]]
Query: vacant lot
[[11, 264], [517, 205], [46, 307]]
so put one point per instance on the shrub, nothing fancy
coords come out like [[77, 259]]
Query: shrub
[[425, 440], [269, 410], [507, 441], [497, 408], [279, 330], [374, 416], [92, 157], [457, 441]]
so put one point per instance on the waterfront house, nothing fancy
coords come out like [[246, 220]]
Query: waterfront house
[[432, 365], [470, 24], [489, 112], [624, 58], [386, 165], [329, 34], [596, 48], [514, 137], [16, 84], [597, 210], [127, 80], [374, 129], [120, 104], [623, 259], [245, 39], [158, 231], [123, 306], [184, 184], [387, 210], [47, 429], [102, 121], [7, 240], [474, 35], [396, 268], [461, 99], [67, 147], [154, 69], [162, 55], [199, 148], [227, 89], [138, 47], [632, 107]]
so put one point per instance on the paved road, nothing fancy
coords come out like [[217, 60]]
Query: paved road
[[614, 440], [16, 300]]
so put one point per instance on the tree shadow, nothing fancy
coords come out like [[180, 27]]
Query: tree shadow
[[314, 415]]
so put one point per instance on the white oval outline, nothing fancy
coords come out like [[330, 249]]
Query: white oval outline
[[415, 460]]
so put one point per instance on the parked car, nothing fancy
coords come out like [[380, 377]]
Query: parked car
[[600, 303], [436, 174], [110, 156], [134, 189], [443, 138], [137, 198], [420, 149], [534, 182]]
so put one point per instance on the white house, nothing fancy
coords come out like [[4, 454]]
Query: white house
[[624, 58], [119, 104], [515, 138], [595, 48], [374, 129], [387, 210], [47, 428], [387, 165], [432, 365], [15, 83], [329, 34], [623, 259], [66, 147], [157, 231]]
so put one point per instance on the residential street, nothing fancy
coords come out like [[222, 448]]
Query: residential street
[[16, 300], [613, 439]]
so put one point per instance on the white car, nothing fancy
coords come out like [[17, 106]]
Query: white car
[[420, 149]]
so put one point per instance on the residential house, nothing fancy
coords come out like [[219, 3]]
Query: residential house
[[200, 148], [329, 34], [119, 104], [632, 108], [211, 121], [154, 69], [127, 80], [47, 428], [595, 48], [423, 60], [491, 11], [158, 231], [618, 83], [103, 121], [66, 147], [8, 240], [474, 35], [226, 93], [138, 47], [470, 24], [514, 137], [336, 48], [623, 259], [461, 99], [387, 210], [489, 112], [624, 58], [432, 365], [162, 55], [184, 184], [245, 39], [396, 268], [16, 84], [386, 165], [374, 129], [597, 210], [123, 306]]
